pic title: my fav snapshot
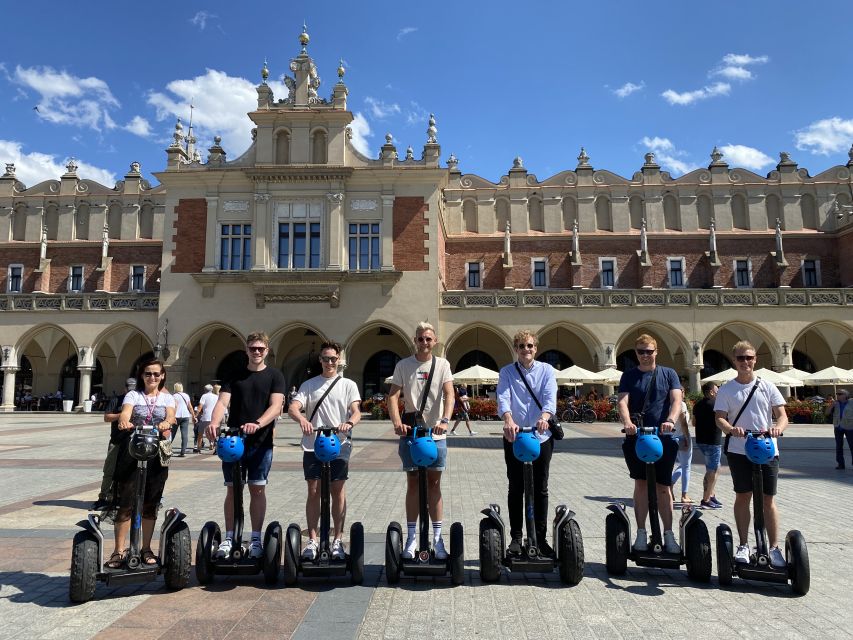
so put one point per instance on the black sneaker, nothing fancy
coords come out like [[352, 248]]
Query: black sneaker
[[514, 547], [100, 504], [545, 549]]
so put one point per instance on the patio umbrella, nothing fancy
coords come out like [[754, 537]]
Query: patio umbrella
[[476, 375], [779, 379], [610, 376], [721, 377], [830, 375], [575, 376], [799, 374]]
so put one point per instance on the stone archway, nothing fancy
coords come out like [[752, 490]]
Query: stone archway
[[47, 348], [824, 344], [481, 338], [575, 343], [724, 337], [202, 355], [297, 349], [117, 352], [365, 361]]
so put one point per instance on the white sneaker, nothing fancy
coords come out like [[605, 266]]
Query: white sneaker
[[742, 554], [642, 541], [338, 552], [224, 550], [669, 543], [409, 549], [310, 550], [440, 551], [256, 549], [777, 559], [473, 433]]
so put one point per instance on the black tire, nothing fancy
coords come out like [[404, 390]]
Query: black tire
[[571, 552], [566, 416], [208, 542], [393, 552], [356, 553], [616, 544], [698, 552], [491, 551], [725, 568], [84, 567], [589, 416], [457, 554], [177, 559], [272, 553], [797, 555], [291, 554]]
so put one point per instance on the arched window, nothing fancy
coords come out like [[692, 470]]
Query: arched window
[[740, 216], [705, 211], [773, 207], [714, 362], [81, 222], [469, 216], [603, 214], [635, 210], [671, 214], [114, 221], [536, 214], [231, 365], [476, 357], [19, 223], [378, 367], [809, 211], [282, 148], [556, 359], [318, 147], [570, 213], [51, 221], [146, 221], [501, 213]]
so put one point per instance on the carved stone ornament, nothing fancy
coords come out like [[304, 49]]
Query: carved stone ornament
[[410, 153], [10, 170], [134, 167], [261, 197], [431, 130], [583, 158], [335, 198], [71, 166], [364, 205], [452, 162], [238, 205]]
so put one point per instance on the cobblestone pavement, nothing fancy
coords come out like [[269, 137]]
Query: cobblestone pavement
[[50, 467]]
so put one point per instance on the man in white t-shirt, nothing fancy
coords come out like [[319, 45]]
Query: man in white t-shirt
[[339, 408], [765, 406], [410, 377], [204, 411]]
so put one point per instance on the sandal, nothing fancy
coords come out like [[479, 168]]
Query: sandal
[[149, 558], [115, 561]]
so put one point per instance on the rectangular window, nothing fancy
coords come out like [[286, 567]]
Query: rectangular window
[[137, 277], [607, 269], [15, 278], [811, 273], [75, 279], [539, 269], [364, 244], [743, 273], [676, 272], [235, 249], [474, 276], [299, 245]]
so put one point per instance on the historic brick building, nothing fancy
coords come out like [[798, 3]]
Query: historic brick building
[[306, 238]]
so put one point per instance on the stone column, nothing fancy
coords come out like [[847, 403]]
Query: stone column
[[85, 386], [336, 235], [210, 263], [693, 374], [387, 233], [8, 389], [261, 233]]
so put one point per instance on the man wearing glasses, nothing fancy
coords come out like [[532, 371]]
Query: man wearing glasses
[[654, 393], [255, 397], [759, 412], [410, 377], [518, 409], [338, 400]]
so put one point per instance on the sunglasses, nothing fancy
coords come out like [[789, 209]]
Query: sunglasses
[[257, 349], [152, 374], [330, 359], [644, 352], [528, 345], [744, 358], [425, 339]]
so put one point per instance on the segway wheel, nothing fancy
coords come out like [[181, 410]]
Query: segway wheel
[[491, 551], [356, 553], [272, 553], [571, 552], [725, 555], [208, 542], [177, 557], [393, 552], [698, 552], [589, 416], [797, 555], [291, 554], [457, 554], [616, 544], [84, 567]]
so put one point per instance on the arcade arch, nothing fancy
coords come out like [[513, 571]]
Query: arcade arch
[[477, 338], [371, 351], [575, 343], [203, 353]]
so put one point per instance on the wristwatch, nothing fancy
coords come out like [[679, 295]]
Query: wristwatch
[[445, 421], [349, 422]]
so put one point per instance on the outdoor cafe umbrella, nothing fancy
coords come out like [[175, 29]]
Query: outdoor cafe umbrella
[[777, 378], [610, 376], [476, 375], [830, 375], [721, 377], [575, 376]]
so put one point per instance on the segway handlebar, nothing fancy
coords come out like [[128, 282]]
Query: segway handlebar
[[321, 428]]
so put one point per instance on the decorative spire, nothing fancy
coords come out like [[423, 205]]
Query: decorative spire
[[716, 155], [410, 153], [304, 38], [389, 138], [71, 166], [265, 72], [452, 162], [178, 135], [517, 163], [431, 130], [341, 71], [10, 170], [583, 158]]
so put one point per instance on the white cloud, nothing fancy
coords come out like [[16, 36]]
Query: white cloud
[[34, 167], [667, 155], [830, 135], [733, 66], [689, 97], [381, 110], [402, 33], [734, 73], [200, 19], [139, 126], [67, 99], [741, 59], [416, 114], [360, 133], [628, 88], [746, 157]]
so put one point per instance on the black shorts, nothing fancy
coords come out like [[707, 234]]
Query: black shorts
[[741, 469], [663, 467], [312, 467]]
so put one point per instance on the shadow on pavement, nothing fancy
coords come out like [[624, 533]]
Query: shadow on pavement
[[71, 504]]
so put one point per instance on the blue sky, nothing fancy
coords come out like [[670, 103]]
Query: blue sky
[[104, 82]]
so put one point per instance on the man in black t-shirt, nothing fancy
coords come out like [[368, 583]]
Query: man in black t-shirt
[[709, 442], [255, 397], [111, 415]]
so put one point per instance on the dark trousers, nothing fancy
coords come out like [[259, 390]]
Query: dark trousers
[[839, 445], [515, 493], [182, 426]]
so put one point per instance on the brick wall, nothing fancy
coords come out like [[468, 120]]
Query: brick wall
[[189, 238], [845, 260], [149, 256], [410, 234], [29, 257]]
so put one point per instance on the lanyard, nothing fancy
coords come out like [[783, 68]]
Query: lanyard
[[150, 407]]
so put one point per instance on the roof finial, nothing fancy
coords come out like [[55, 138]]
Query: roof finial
[[716, 155], [583, 158], [265, 72], [431, 130], [341, 71], [304, 38]]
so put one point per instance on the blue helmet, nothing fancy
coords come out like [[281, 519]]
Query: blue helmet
[[423, 450], [759, 450], [230, 448], [526, 446], [326, 447], [649, 448]]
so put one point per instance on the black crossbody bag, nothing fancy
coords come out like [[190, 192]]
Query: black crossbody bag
[[416, 418], [553, 424], [739, 413]]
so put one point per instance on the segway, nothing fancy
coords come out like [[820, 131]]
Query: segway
[[424, 563], [566, 533], [760, 450], [327, 448], [230, 448], [693, 534], [87, 551]]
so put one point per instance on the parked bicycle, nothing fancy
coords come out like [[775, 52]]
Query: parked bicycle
[[582, 412]]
